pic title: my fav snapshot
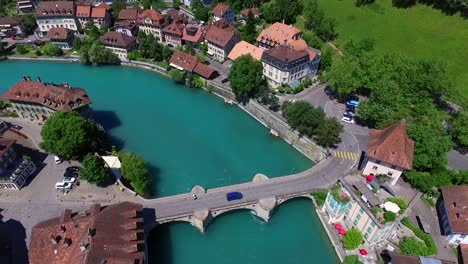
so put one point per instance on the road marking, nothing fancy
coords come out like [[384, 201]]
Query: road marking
[[346, 155]]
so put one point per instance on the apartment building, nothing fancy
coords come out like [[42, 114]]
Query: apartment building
[[220, 42], [152, 22], [56, 14], [98, 16], [120, 44], [453, 212]]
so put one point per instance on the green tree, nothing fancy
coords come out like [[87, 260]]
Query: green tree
[[201, 12], [135, 171], [363, 2], [116, 6], [460, 129], [30, 23], [21, 49], [403, 3], [351, 260], [312, 40], [249, 31], [94, 169], [389, 216], [328, 132], [326, 60], [246, 78], [99, 55], [68, 134], [92, 31], [315, 19], [279, 10], [50, 50], [188, 48], [77, 44], [352, 239], [303, 117], [412, 246], [177, 75], [176, 4]]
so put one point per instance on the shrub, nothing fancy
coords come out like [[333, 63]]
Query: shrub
[[21, 49], [351, 260], [352, 239], [413, 247], [400, 202], [319, 197], [389, 216], [94, 169], [281, 89], [50, 50], [299, 89], [135, 171]]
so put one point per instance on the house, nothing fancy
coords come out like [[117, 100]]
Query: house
[[314, 56], [107, 234], [12, 26], [128, 28], [152, 22], [279, 34], [283, 65], [186, 62], [220, 42], [256, 12], [129, 15], [61, 37], [192, 34], [389, 152], [25, 6], [454, 214], [120, 44], [173, 33], [38, 99], [174, 15], [394, 258], [222, 10], [98, 16], [54, 14], [224, 24], [348, 203], [243, 48], [14, 173]]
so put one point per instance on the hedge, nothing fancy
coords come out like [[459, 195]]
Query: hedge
[[407, 245]]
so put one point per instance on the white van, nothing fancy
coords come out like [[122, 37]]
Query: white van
[[58, 160], [63, 186]]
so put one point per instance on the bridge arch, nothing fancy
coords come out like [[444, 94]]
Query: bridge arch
[[286, 199]]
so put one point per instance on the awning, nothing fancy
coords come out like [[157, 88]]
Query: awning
[[294, 84], [176, 66], [210, 53], [342, 232], [392, 207], [338, 227], [363, 252]]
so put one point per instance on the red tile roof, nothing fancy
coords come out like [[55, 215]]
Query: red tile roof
[[5, 145], [175, 29], [105, 5], [58, 33], [174, 15], [285, 53], [191, 64], [55, 9], [255, 11], [129, 14], [13, 21], [57, 97], [456, 203], [279, 33], [98, 12], [464, 253], [224, 24], [155, 17], [112, 38], [391, 145], [204, 70], [220, 9], [192, 33], [83, 11], [112, 234], [219, 36], [243, 48]]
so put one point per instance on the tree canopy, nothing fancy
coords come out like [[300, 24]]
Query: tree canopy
[[460, 129], [68, 134], [50, 50], [279, 10], [351, 260], [94, 169], [352, 239], [249, 30], [135, 171], [316, 20], [97, 54], [246, 78]]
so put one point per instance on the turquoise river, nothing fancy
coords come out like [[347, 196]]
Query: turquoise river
[[190, 137]]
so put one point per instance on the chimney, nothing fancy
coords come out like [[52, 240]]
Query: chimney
[[25, 78], [67, 241], [63, 228], [54, 239], [66, 215], [83, 247]]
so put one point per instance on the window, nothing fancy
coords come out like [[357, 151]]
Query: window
[[393, 167], [355, 222], [457, 215], [366, 236], [454, 204], [374, 168], [389, 173], [369, 230], [378, 161], [349, 206], [358, 216], [361, 210], [373, 224]]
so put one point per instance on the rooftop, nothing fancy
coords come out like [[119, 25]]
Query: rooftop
[[151, 16], [391, 145], [456, 203], [280, 33], [187, 62], [112, 38], [55, 9], [104, 5], [98, 12], [5, 145], [243, 48], [83, 11], [219, 36], [58, 33], [109, 234], [11, 20], [129, 14], [406, 259], [255, 11], [224, 24], [192, 33], [220, 9], [284, 53], [174, 28], [54, 96]]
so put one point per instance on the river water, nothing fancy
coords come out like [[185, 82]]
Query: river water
[[190, 137]]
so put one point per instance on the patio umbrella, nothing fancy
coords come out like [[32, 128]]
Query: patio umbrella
[[338, 227], [363, 252], [392, 207], [370, 177], [342, 232]]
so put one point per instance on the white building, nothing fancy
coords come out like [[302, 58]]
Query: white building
[[152, 22], [389, 152], [454, 214], [55, 14], [220, 42], [98, 16], [119, 43]]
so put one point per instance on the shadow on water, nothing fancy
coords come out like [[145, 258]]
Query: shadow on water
[[12, 242], [108, 119], [155, 173], [160, 244]]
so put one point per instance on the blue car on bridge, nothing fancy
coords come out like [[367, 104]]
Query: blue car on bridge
[[234, 196]]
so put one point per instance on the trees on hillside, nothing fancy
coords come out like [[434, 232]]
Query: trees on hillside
[[315, 19], [282, 10], [135, 171], [68, 134], [246, 78], [93, 169], [201, 12]]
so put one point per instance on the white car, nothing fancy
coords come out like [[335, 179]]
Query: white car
[[58, 160], [69, 180], [63, 186], [348, 118]]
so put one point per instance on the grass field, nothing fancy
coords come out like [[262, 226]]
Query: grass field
[[419, 31]]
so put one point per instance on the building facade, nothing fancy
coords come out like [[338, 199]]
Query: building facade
[[389, 152], [453, 214], [98, 16], [282, 65], [119, 43], [126, 27], [172, 34], [220, 42], [14, 173], [152, 22], [12, 26], [61, 37], [55, 14], [222, 10], [38, 100]]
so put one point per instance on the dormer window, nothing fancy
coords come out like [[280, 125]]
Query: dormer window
[[457, 215], [454, 205]]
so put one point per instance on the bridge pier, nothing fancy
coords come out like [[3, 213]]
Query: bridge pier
[[201, 219], [265, 207]]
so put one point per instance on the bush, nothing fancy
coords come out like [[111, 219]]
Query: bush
[[400, 202], [413, 247], [21, 49], [38, 52], [352, 239], [94, 169], [281, 89], [389, 216], [299, 89], [177, 75], [319, 197], [51, 50], [351, 260], [135, 171]]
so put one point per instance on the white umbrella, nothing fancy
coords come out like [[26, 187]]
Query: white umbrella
[[392, 207]]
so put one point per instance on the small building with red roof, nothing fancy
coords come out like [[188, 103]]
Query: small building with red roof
[[61, 37], [97, 15], [222, 10], [192, 34], [152, 22], [173, 33], [186, 62], [389, 152]]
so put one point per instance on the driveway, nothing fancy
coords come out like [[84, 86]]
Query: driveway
[[457, 161]]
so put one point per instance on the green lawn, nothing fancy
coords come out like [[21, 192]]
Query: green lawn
[[419, 31]]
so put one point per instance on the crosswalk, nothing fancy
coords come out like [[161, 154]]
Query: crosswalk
[[346, 155]]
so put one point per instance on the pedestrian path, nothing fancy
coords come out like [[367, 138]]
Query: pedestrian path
[[346, 155]]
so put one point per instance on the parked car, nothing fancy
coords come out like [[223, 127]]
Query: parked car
[[234, 196], [72, 171], [69, 180], [350, 108], [194, 196], [225, 80], [63, 186], [348, 118], [58, 159]]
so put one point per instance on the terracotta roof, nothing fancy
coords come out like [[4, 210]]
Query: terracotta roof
[[5, 145], [98, 12], [55, 9], [285, 54], [456, 203], [174, 28], [312, 53], [278, 34], [464, 253], [219, 36], [255, 11], [112, 234], [129, 14], [105, 5], [224, 24], [220, 9], [298, 44], [57, 97], [192, 33], [130, 25], [11, 20], [184, 60], [407, 259], [391, 145], [83, 11], [174, 15], [204, 70], [157, 19], [112, 38], [58, 33], [243, 48]]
